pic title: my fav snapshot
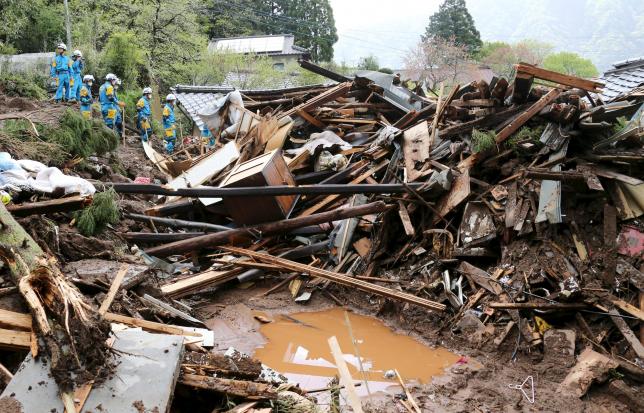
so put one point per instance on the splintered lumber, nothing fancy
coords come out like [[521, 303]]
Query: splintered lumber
[[21, 321], [416, 146], [538, 306], [55, 304], [321, 99], [338, 278], [628, 334], [562, 79], [520, 120], [486, 122], [345, 376], [114, 289], [159, 238], [54, 205], [247, 389], [224, 237], [198, 282]]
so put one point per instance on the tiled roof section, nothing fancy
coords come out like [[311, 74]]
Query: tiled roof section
[[191, 103], [623, 78]]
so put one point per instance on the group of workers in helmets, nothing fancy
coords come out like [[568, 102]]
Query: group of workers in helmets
[[67, 74]]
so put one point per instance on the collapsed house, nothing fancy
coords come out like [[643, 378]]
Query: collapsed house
[[504, 212]]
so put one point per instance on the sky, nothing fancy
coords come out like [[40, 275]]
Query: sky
[[385, 28]]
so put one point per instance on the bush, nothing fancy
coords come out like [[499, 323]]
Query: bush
[[81, 137], [483, 140], [27, 86], [123, 57], [102, 212]]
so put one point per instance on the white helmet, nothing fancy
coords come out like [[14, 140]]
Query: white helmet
[[170, 97], [61, 46], [147, 90], [88, 78], [77, 53], [110, 76]]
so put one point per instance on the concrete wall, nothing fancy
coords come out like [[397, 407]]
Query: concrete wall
[[26, 62]]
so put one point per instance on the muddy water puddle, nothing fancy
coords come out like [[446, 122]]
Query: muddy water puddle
[[297, 346]]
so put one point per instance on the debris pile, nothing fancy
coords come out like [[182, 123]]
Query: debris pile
[[506, 214]]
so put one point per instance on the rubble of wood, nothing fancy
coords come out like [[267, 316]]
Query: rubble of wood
[[507, 213]]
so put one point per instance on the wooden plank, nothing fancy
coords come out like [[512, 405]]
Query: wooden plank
[[15, 321], [338, 278], [247, 389], [406, 220], [520, 120], [150, 325], [410, 397], [321, 99], [326, 201], [628, 334], [14, 340], [439, 111], [563, 79], [415, 147], [311, 119], [485, 103], [114, 288], [458, 193], [539, 305], [610, 238], [54, 205], [200, 281], [345, 375], [629, 308]]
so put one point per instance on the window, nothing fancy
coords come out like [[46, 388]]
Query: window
[[278, 66]]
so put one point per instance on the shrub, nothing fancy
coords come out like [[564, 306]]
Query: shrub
[[29, 86], [102, 212], [483, 140]]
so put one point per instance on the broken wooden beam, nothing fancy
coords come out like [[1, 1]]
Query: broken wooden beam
[[560, 78], [339, 278], [225, 237], [628, 334], [53, 205], [520, 120], [241, 388], [175, 223]]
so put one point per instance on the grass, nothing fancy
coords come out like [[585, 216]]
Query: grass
[[483, 140], [102, 212], [525, 134]]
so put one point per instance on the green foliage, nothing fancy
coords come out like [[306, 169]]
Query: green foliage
[[102, 212], [31, 25], [386, 70], [526, 133], [311, 22], [502, 57], [7, 48], [571, 64], [123, 57], [453, 21], [25, 85], [368, 63], [483, 140], [620, 124], [81, 137]]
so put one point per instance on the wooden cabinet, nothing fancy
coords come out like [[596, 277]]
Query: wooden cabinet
[[265, 170]]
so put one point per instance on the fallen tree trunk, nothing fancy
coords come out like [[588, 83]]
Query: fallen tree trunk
[[230, 236], [71, 329]]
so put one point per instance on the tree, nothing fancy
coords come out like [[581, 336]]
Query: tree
[[453, 21], [436, 60], [570, 64], [368, 63], [123, 57], [501, 56]]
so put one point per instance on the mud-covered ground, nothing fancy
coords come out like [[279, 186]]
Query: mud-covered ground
[[479, 385]]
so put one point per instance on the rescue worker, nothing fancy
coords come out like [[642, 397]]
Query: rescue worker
[[77, 70], [85, 98], [61, 67], [143, 114], [170, 137], [110, 104]]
